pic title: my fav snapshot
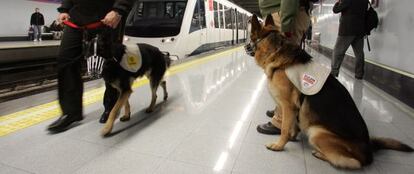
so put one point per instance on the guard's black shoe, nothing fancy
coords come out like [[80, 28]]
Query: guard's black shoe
[[270, 113], [359, 77], [63, 123], [268, 128], [104, 117]]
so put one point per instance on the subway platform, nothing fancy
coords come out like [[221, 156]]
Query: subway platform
[[208, 125]]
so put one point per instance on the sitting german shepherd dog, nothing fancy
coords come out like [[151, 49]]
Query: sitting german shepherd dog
[[330, 118], [153, 64]]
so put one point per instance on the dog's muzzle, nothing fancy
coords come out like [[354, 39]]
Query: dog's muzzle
[[95, 66], [95, 62], [250, 48]]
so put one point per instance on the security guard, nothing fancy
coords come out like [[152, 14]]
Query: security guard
[[70, 85], [292, 19]]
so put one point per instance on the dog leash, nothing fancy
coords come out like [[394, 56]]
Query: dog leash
[[90, 26]]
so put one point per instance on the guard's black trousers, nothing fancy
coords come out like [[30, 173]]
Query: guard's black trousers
[[70, 84]]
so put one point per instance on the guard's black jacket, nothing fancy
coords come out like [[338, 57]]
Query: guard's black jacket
[[37, 19], [84, 12]]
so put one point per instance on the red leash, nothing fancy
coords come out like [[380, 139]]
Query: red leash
[[90, 26]]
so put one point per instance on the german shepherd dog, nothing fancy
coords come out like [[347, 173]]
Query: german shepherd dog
[[330, 118], [154, 65]]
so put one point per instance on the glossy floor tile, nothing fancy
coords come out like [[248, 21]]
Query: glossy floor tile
[[208, 125]]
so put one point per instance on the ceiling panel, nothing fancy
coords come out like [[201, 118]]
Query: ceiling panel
[[250, 5]]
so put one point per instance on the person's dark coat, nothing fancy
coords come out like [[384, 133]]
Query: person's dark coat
[[37, 19], [84, 12], [352, 19]]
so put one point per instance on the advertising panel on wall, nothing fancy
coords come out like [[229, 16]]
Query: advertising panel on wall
[[21, 10]]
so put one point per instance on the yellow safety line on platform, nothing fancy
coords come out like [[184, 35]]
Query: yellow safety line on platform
[[22, 119]]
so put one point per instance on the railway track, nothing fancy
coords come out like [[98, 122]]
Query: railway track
[[19, 79]]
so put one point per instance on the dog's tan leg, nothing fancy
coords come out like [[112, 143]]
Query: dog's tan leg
[[333, 149], [127, 114], [164, 87], [277, 117], [112, 115], [287, 123], [294, 132], [153, 100], [319, 155]]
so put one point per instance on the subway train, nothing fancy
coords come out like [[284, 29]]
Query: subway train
[[187, 27]]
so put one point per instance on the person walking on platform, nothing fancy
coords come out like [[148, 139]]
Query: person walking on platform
[[37, 21], [70, 85], [351, 32], [292, 19]]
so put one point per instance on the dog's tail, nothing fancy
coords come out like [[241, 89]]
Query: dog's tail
[[167, 58], [389, 143]]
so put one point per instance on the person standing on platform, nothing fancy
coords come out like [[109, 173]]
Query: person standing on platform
[[112, 13], [351, 32], [292, 19], [37, 21]]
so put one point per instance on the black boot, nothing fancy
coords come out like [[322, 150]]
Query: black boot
[[268, 128], [63, 123], [104, 117]]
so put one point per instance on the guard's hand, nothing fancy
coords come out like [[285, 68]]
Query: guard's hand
[[112, 19], [288, 34], [63, 17]]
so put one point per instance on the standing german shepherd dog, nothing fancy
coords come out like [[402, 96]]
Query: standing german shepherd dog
[[330, 118], [154, 64]]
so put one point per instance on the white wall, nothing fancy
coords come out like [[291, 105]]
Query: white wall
[[392, 44], [15, 15]]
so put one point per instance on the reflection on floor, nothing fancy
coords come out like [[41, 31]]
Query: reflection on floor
[[208, 125]]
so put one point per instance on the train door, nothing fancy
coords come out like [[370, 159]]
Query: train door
[[198, 32], [216, 31], [221, 19], [232, 25], [237, 26], [202, 21]]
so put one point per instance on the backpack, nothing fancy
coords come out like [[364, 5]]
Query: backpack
[[371, 20], [308, 4]]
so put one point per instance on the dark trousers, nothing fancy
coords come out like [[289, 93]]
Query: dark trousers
[[70, 87], [70, 84], [111, 94], [342, 44], [110, 97]]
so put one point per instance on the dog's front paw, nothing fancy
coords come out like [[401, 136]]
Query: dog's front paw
[[126, 117], [274, 147], [106, 130]]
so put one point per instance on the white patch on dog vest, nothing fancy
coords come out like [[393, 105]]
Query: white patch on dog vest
[[132, 60], [308, 78]]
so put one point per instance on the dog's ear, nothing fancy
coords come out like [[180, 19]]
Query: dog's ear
[[269, 20], [256, 27]]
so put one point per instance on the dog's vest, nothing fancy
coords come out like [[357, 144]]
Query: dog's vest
[[308, 78], [132, 60]]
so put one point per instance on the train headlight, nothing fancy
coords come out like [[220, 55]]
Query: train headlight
[[167, 40]]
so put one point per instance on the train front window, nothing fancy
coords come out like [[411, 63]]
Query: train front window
[[199, 17], [155, 18]]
